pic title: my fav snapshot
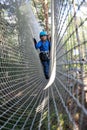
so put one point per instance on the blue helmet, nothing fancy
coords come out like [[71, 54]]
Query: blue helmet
[[43, 33]]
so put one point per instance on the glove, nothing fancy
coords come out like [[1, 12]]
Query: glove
[[35, 42]]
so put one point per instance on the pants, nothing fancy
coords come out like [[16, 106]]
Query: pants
[[46, 67]]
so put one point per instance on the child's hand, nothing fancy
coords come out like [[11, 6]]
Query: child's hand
[[35, 42]]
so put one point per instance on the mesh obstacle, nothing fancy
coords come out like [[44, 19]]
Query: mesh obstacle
[[27, 100]]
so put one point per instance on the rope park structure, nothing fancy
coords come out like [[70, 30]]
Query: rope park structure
[[27, 100]]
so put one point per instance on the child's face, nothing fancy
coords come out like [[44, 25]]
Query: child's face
[[44, 38]]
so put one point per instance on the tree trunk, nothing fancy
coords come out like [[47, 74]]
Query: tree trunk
[[45, 8]]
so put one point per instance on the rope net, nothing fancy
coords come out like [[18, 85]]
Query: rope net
[[25, 101], [71, 53]]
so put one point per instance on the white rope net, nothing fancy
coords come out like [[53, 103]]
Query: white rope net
[[25, 101]]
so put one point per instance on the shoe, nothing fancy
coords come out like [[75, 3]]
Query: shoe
[[47, 77]]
